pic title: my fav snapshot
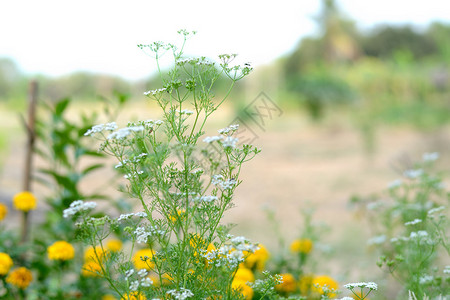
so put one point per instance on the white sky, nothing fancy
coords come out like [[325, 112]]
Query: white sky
[[56, 37]]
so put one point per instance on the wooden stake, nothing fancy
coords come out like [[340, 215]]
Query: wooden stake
[[31, 137]]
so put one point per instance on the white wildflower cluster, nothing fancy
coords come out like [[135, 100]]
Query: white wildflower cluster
[[218, 180], [413, 222], [133, 175], [122, 133], [447, 270], [369, 285], [377, 240], [101, 127], [210, 139], [207, 199], [231, 254], [395, 184], [180, 294], [432, 211], [140, 214], [134, 285], [202, 61], [230, 142], [346, 298], [155, 92], [428, 157], [421, 236], [133, 160], [77, 206], [426, 279], [128, 273], [144, 232], [227, 130], [413, 174]]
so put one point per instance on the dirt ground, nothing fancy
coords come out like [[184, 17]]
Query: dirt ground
[[300, 166]]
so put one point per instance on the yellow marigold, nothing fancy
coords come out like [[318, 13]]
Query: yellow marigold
[[302, 246], [5, 263], [244, 274], [91, 269], [94, 254], [179, 216], [133, 296], [142, 259], [322, 283], [257, 259], [108, 297], [20, 277], [24, 201], [243, 288], [114, 245], [305, 284], [3, 211], [288, 285], [61, 250]]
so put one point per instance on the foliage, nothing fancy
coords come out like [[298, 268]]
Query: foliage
[[410, 223]]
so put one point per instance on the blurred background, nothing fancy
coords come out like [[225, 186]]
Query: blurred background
[[353, 93]]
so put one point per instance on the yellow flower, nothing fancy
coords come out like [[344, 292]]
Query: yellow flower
[[305, 284], [142, 259], [320, 282], [244, 274], [5, 263], [91, 269], [133, 296], [114, 245], [3, 211], [257, 259], [60, 250], [288, 285], [302, 246], [108, 297], [24, 201], [243, 288], [20, 277], [94, 254], [179, 216]]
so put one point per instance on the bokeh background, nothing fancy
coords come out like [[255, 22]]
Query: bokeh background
[[354, 93]]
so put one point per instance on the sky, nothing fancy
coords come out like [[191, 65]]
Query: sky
[[57, 37]]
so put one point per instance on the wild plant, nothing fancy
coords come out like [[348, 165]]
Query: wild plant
[[183, 183], [411, 226]]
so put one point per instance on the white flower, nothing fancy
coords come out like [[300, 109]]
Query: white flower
[[435, 210], [134, 286], [377, 240], [142, 273], [447, 270], [181, 294], [413, 222], [124, 132], [231, 128], [230, 142], [77, 206], [395, 184], [141, 214], [369, 285], [413, 174], [430, 156], [210, 139], [101, 127], [146, 282], [155, 92], [128, 273], [425, 279], [125, 216]]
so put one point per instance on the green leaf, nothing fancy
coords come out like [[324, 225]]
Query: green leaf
[[91, 168], [61, 106]]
